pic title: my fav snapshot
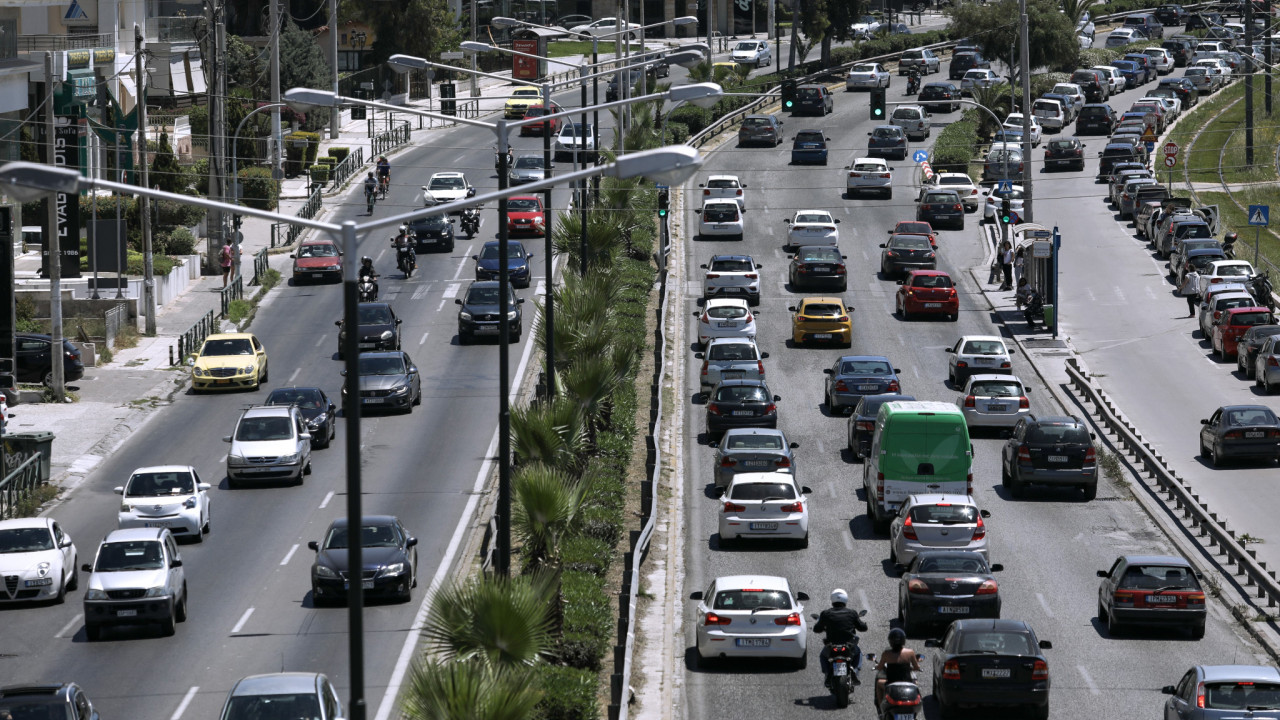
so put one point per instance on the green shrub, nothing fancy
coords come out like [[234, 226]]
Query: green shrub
[[320, 173], [238, 310], [586, 554], [567, 694], [25, 313], [588, 620], [180, 242], [160, 264], [300, 151], [677, 133], [329, 160], [339, 153], [955, 146], [696, 119], [260, 190], [200, 171]]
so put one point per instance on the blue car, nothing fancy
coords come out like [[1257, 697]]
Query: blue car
[[517, 262], [809, 148], [854, 376], [1008, 135], [1149, 71], [1134, 75]]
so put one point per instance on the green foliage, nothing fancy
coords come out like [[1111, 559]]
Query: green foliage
[[956, 145], [423, 28], [260, 190], [447, 690], [200, 171], [199, 118], [247, 68], [180, 241], [496, 621], [165, 172], [329, 160], [320, 173], [546, 502], [270, 279], [238, 310], [585, 554], [172, 213], [567, 694], [677, 133], [994, 26], [303, 64], [25, 313], [339, 153], [135, 265], [694, 118], [297, 155], [588, 620]]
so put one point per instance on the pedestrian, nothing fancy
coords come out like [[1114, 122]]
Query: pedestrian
[[1006, 265], [1018, 265], [1191, 290], [226, 259]]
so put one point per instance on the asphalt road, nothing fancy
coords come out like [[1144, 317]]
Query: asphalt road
[[1051, 544]]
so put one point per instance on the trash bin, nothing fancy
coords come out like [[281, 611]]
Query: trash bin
[[23, 444], [1048, 316]]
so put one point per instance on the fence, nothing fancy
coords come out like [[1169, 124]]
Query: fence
[[349, 166], [18, 484], [115, 319], [391, 139], [189, 340], [260, 266], [233, 291], [285, 233]]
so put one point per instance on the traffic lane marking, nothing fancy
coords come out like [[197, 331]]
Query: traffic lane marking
[[75, 621], [289, 555], [186, 700], [243, 619]]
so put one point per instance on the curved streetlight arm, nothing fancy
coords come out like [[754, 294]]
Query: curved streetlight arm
[[512, 22], [235, 141], [307, 97], [404, 63], [711, 94]]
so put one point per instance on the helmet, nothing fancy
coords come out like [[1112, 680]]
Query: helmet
[[897, 638], [1230, 237], [404, 228], [839, 596], [366, 260]]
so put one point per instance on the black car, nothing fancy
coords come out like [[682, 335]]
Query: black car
[[813, 99], [942, 585], [991, 663], [478, 316], [1248, 344], [1050, 450], [862, 421], [316, 408], [963, 62], [1171, 14], [390, 562], [1187, 91], [65, 701], [1093, 84], [818, 266], [1116, 152], [940, 208], [1180, 50], [517, 262], [741, 403], [1250, 432], [434, 232], [906, 252], [1064, 152], [937, 97], [1152, 590], [388, 380], [634, 75], [1096, 118], [1203, 21], [885, 141], [34, 364], [379, 328]]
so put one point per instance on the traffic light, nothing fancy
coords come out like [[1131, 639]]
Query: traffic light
[[664, 201], [237, 220], [877, 103], [1006, 211], [788, 94], [448, 106]]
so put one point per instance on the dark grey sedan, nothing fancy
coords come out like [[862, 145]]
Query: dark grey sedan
[[741, 403], [316, 408], [388, 381], [887, 141], [853, 376], [388, 553], [1248, 344], [862, 421], [906, 252], [752, 450], [1249, 432], [378, 328], [478, 316], [944, 585]]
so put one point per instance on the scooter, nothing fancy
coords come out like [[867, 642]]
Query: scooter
[[1261, 289], [1229, 245], [901, 701], [406, 258], [367, 289], [471, 221]]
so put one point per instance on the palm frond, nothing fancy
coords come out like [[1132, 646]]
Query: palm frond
[[546, 501], [453, 690], [499, 622], [550, 433]]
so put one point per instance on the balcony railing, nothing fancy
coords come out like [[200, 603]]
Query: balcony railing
[[77, 41], [181, 28]]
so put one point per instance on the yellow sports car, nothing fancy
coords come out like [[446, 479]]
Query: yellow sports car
[[229, 361], [520, 100], [822, 319]]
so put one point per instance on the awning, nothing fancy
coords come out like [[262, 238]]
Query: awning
[[178, 76], [198, 85], [126, 92]]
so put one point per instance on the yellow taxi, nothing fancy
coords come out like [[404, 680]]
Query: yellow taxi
[[229, 361], [822, 319], [520, 100]]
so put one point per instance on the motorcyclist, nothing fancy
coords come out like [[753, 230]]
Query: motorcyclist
[[403, 244], [841, 625], [896, 664], [367, 272], [1229, 244]]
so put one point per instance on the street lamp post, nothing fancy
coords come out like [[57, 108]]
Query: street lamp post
[[235, 180]]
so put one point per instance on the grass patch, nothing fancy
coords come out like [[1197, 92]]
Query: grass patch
[[565, 48], [29, 504], [238, 310], [127, 337], [1234, 218], [270, 279]]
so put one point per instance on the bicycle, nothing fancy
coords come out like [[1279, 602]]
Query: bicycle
[[384, 182], [370, 196]]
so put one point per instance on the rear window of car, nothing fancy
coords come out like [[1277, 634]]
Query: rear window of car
[[1083, 77], [755, 122], [1233, 270], [865, 367], [1251, 416], [808, 93], [884, 133], [823, 309], [1057, 434], [1091, 111], [731, 265], [763, 491], [910, 226], [975, 74], [953, 180], [732, 351], [1241, 696], [754, 442], [741, 394], [723, 184], [726, 312], [912, 242], [721, 212], [1251, 318], [1194, 230], [931, 281], [819, 255], [952, 562], [983, 347], [939, 198], [809, 136], [813, 218], [863, 68], [1229, 303], [906, 114], [1202, 261], [1151, 577], [869, 167], [752, 600], [995, 388], [999, 643], [944, 514], [1062, 145]]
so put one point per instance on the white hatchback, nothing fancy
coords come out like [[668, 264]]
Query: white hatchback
[[733, 276], [1014, 122], [37, 560], [725, 317], [724, 187], [720, 218], [730, 359], [752, 52], [751, 616], [869, 175], [168, 496], [1162, 59], [974, 354], [765, 506], [994, 401], [1220, 271], [978, 78], [812, 227]]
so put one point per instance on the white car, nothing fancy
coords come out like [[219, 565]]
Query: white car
[[169, 496], [751, 616], [720, 218], [864, 30], [733, 276], [919, 57], [1218, 70], [995, 202], [1123, 36], [1115, 79], [446, 187], [135, 579], [752, 52], [730, 359], [1086, 27], [37, 560], [1172, 105], [1085, 41], [869, 175], [725, 317], [1162, 59], [724, 187], [1072, 90], [764, 506], [994, 401], [937, 522], [270, 442], [1220, 271], [959, 182], [1049, 113], [865, 76], [812, 227], [978, 78], [607, 27], [575, 142], [1014, 122], [913, 120], [975, 354]]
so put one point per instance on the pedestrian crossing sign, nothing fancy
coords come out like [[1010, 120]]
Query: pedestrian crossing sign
[[1260, 215], [1004, 186]]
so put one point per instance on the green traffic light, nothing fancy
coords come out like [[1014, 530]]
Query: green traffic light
[[789, 103], [662, 212]]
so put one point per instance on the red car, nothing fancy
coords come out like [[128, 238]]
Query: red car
[[317, 260], [927, 292], [916, 227], [1233, 324], [539, 128], [525, 216]]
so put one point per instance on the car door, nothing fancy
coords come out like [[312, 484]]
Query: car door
[[1178, 707], [415, 381], [1010, 448], [260, 353], [1209, 431], [66, 548], [33, 359], [177, 578], [1108, 584]]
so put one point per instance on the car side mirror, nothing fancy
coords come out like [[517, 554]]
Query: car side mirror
[[519, 301], [295, 257], [528, 256], [1027, 390], [696, 595], [471, 192], [314, 545], [777, 398], [457, 301], [703, 266], [399, 320], [948, 350], [884, 245], [86, 568], [203, 486], [1046, 645], [176, 563], [792, 308], [902, 282], [475, 257], [696, 313], [933, 643], [764, 356], [1169, 690], [226, 438], [699, 355], [828, 371], [338, 323], [697, 211], [1204, 421], [837, 221], [413, 369], [985, 513], [849, 308], [827, 139], [343, 372], [899, 569], [997, 567], [304, 436], [119, 490], [802, 597], [411, 542], [702, 185], [1103, 573], [868, 134]]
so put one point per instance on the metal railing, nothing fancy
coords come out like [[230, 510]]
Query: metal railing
[[284, 233], [260, 267], [391, 139], [76, 41], [1203, 521], [19, 483], [232, 292], [113, 320], [349, 166], [191, 338]]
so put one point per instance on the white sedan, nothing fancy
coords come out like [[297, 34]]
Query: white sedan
[[812, 227], [1014, 122], [1220, 271], [446, 187], [766, 506], [994, 401], [169, 496], [37, 560], [751, 616], [978, 78], [865, 76], [869, 175], [725, 317]]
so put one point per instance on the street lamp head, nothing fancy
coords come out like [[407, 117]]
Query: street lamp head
[[307, 99], [403, 63], [704, 95], [505, 22], [477, 47], [686, 20], [670, 165], [685, 58], [695, 47], [27, 181]]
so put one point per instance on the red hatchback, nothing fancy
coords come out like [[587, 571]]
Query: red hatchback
[[916, 227], [1232, 326], [525, 216], [927, 292], [539, 128]]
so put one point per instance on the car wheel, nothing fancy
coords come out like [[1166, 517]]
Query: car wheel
[[1040, 712], [1266, 384], [1113, 627], [802, 662], [1089, 491], [903, 311], [73, 582], [306, 470], [1005, 480], [418, 399], [167, 626], [180, 613], [463, 338], [61, 597], [1216, 458], [1204, 452], [199, 535], [1197, 631], [945, 711], [265, 374]]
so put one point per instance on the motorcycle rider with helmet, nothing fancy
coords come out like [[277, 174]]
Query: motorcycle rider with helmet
[[366, 272], [1229, 245], [896, 664], [841, 625], [403, 243]]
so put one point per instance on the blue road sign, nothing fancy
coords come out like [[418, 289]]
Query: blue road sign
[[1004, 185], [1151, 146], [920, 155], [1260, 215]]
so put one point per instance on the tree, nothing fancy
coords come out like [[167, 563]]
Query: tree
[[501, 623], [424, 28], [994, 26], [165, 172], [842, 14], [469, 691], [247, 67], [1075, 9], [302, 62], [546, 503]]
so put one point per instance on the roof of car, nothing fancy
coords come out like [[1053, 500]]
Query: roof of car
[[813, 210], [730, 341], [1246, 309], [229, 336], [881, 161], [1000, 625], [447, 174], [53, 689], [761, 477], [270, 410], [1246, 673], [367, 520], [821, 299], [22, 523], [1156, 560], [727, 256], [929, 273], [284, 683], [971, 338], [1054, 420], [942, 498], [740, 582], [134, 535], [164, 468], [851, 358], [751, 431]]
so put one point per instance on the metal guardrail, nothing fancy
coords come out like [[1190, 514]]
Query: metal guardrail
[[349, 166], [284, 233], [260, 267], [191, 338], [391, 139], [232, 292], [19, 483], [1152, 463]]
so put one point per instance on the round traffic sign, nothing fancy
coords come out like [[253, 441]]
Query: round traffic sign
[[1170, 160], [1171, 148]]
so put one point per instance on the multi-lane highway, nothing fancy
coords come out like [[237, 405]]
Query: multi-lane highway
[[1051, 544]]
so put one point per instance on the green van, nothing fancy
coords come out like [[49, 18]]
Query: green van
[[917, 447]]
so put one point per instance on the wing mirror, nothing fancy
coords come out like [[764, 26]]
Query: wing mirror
[[1169, 690], [884, 245], [457, 301], [933, 643], [802, 597], [699, 355], [314, 545], [764, 356], [87, 568], [794, 445], [1103, 573], [828, 371], [1046, 645], [1204, 421], [119, 490], [338, 323], [985, 513], [997, 567], [226, 438], [696, 595], [777, 398]]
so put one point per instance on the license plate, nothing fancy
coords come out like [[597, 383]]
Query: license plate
[[822, 336], [868, 388], [1162, 599], [743, 413], [371, 401], [159, 524], [756, 463], [904, 716], [953, 610], [221, 382], [839, 669], [821, 268], [317, 275], [39, 582], [728, 324], [752, 642], [997, 408], [719, 227], [734, 375], [933, 305], [983, 361], [764, 526], [1255, 434], [126, 613], [995, 672], [364, 585], [731, 290], [1058, 458]]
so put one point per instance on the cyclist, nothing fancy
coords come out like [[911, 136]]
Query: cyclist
[[384, 174], [370, 188]]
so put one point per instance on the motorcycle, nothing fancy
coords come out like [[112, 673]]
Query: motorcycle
[[406, 258], [367, 289], [471, 221], [1261, 289], [1229, 245], [901, 701], [918, 7], [913, 81], [497, 160], [844, 662]]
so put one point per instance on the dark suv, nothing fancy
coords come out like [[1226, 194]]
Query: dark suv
[[815, 99], [1116, 153], [963, 62], [378, 326], [1171, 15], [1095, 87], [1181, 51], [56, 700], [1097, 118], [1187, 91], [34, 364], [478, 315], [433, 232], [1050, 450]]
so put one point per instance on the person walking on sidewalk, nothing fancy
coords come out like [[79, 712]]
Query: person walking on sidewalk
[[1006, 265], [226, 258], [1191, 291]]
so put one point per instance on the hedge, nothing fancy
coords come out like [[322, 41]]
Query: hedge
[[339, 152], [694, 118], [260, 190], [956, 144], [588, 620], [586, 554], [320, 172], [567, 694], [329, 160], [300, 157]]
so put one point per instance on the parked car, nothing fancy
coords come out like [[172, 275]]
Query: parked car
[[34, 361], [1249, 344], [1234, 323]]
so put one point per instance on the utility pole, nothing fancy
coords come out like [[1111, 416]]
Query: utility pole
[[144, 202], [772, 31], [54, 245], [335, 112], [214, 220], [1267, 45], [277, 172], [1248, 82], [1024, 61], [795, 25]]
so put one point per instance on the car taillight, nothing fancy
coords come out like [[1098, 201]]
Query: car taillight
[[961, 363], [980, 531], [854, 175], [760, 367], [951, 670], [728, 462], [705, 366], [1195, 598], [706, 192], [918, 587], [908, 531], [714, 409], [1272, 361], [843, 318], [892, 253], [750, 317], [1123, 597], [792, 619], [880, 484], [840, 269], [842, 386], [1005, 365], [957, 206], [706, 318], [988, 587], [1024, 453], [782, 462], [714, 619], [712, 276], [770, 408], [885, 175], [792, 507], [1024, 403], [739, 193], [829, 228], [1040, 671], [894, 386], [1200, 695], [970, 401], [734, 507], [1079, 153], [1234, 435], [751, 276]]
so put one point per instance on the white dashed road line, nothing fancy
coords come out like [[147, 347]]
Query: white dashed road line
[[463, 263], [186, 700], [325, 503], [294, 376], [452, 290], [421, 292], [423, 341], [319, 341], [243, 619], [1044, 604], [289, 555], [75, 621], [1093, 688]]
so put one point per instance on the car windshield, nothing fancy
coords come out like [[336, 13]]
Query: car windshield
[[482, 296], [983, 347], [447, 183], [534, 112], [996, 643], [1197, 70], [226, 346], [576, 129], [888, 133], [952, 562], [154, 484], [1249, 695], [741, 394], [975, 74], [822, 310], [735, 265], [756, 122], [528, 162], [762, 491], [1151, 577], [752, 600], [726, 312], [25, 540], [819, 255], [944, 514], [753, 442], [381, 535], [732, 351], [382, 365], [1250, 416], [995, 388], [1057, 434], [257, 429], [917, 242], [865, 367], [490, 252], [257, 707], [526, 92], [812, 218], [318, 250], [375, 315], [523, 205], [123, 556], [302, 397], [931, 281], [720, 212], [747, 46]]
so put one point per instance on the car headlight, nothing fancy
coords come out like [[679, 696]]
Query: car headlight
[[124, 508], [197, 371], [95, 595], [400, 390], [464, 315], [392, 569], [247, 369], [316, 422], [42, 569], [235, 460], [387, 335], [290, 459], [511, 314], [157, 592], [325, 572], [190, 504]]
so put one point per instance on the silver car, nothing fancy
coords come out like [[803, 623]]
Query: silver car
[[730, 359], [990, 400], [913, 120], [1218, 692], [285, 694], [271, 442], [732, 276], [937, 522], [753, 450], [866, 76], [527, 169], [135, 579], [1266, 366]]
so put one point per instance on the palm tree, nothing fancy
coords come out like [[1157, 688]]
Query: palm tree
[[496, 622], [994, 98], [589, 383], [550, 433], [601, 238], [546, 503], [1075, 9], [453, 690]]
